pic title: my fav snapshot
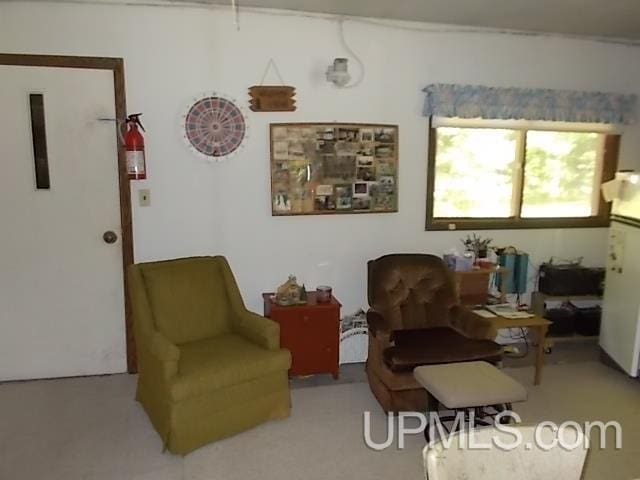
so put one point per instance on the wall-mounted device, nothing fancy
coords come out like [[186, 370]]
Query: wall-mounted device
[[338, 72]]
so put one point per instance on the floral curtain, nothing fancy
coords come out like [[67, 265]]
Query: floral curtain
[[472, 101]]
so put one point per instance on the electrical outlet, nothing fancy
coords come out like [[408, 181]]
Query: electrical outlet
[[144, 197]]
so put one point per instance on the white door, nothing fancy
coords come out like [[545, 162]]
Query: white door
[[620, 331], [61, 284]]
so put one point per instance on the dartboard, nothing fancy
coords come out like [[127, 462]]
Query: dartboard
[[214, 126]]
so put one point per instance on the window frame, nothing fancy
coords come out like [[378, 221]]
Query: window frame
[[609, 164]]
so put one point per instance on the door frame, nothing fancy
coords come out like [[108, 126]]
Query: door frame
[[116, 65]]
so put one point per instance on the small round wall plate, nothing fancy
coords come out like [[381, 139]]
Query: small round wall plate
[[214, 127]]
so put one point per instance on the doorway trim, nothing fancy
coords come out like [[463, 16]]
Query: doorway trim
[[116, 65]]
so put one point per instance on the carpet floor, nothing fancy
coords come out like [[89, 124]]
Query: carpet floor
[[91, 429]]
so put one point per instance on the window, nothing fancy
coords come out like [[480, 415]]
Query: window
[[501, 174], [39, 139]]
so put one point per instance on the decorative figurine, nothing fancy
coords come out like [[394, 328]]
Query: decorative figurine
[[290, 293]]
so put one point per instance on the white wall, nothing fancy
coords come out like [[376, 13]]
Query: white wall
[[172, 54]]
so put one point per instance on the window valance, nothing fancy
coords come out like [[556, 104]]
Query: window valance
[[473, 101]]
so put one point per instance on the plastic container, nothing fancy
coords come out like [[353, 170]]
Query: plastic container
[[563, 321]]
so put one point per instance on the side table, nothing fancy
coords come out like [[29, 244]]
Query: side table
[[539, 325], [311, 332]]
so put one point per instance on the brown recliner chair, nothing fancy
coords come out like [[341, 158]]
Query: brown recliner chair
[[416, 319]]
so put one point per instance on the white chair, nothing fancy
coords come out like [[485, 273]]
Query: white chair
[[527, 461]]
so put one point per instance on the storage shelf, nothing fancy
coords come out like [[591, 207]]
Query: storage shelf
[[573, 338], [538, 300], [569, 297], [550, 342]]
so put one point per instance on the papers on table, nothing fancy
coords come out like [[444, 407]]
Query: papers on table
[[508, 311], [484, 313]]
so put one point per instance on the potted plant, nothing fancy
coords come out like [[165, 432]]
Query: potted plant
[[478, 245]]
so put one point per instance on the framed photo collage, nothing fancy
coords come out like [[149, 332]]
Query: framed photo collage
[[333, 168]]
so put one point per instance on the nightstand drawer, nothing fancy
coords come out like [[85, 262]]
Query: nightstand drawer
[[307, 316], [311, 333]]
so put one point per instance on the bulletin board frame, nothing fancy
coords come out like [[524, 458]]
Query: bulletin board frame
[[325, 168]]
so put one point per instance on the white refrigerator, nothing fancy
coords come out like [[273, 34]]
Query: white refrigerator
[[620, 330]]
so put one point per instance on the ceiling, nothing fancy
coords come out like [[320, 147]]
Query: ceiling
[[595, 18]]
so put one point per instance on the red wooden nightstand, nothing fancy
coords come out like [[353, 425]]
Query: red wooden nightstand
[[310, 332]]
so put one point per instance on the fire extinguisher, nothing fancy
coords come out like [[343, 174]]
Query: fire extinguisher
[[134, 147]]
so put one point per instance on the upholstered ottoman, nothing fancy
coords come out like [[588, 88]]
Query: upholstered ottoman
[[466, 386]]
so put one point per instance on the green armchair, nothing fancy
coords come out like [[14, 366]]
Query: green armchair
[[208, 367]]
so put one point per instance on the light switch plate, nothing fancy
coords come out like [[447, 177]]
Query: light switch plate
[[144, 197]]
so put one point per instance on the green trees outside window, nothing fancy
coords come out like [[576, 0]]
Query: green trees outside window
[[517, 176]]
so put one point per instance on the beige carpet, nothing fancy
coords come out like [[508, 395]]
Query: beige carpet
[[90, 429]]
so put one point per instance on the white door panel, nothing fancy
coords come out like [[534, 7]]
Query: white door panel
[[61, 286], [620, 332]]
